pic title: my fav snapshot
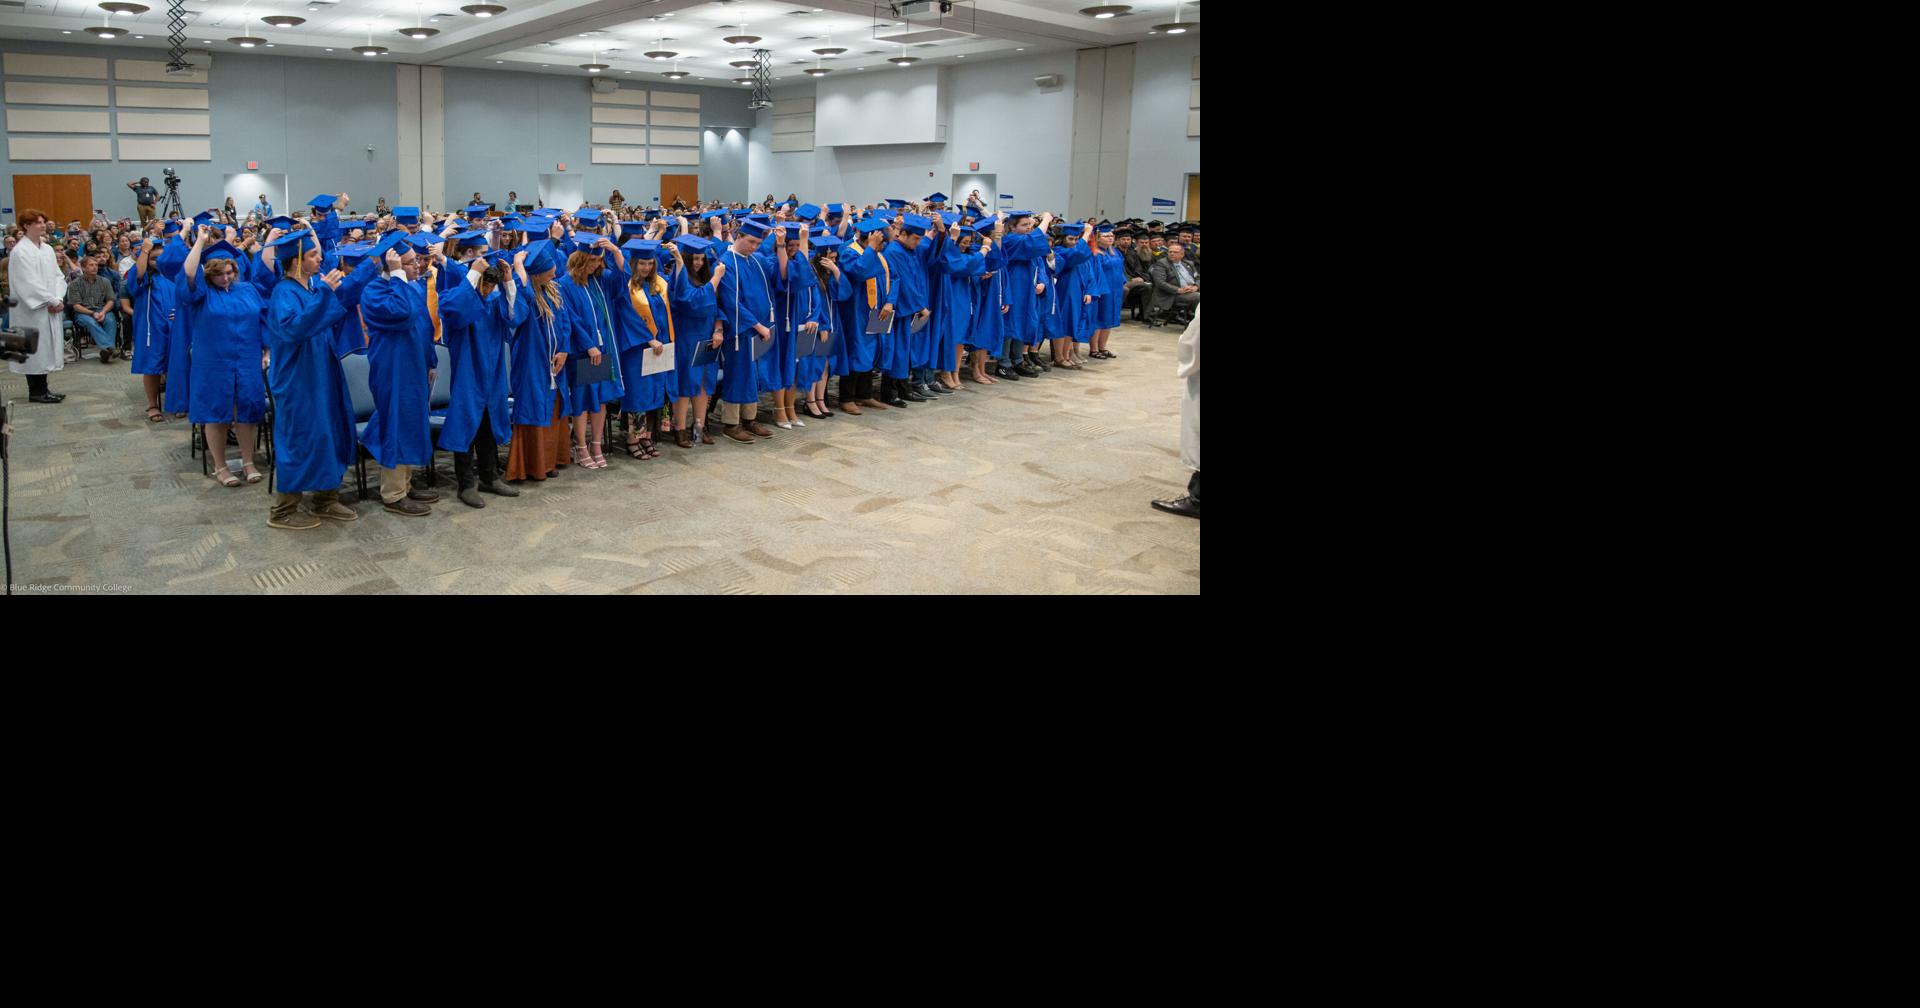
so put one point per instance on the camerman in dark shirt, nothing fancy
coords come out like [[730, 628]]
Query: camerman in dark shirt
[[147, 196]]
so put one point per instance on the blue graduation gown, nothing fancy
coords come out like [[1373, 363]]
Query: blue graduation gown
[[313, 411], [693, 314], [867, 267], [794, 298], [825, 309], [152, 297], [910, 296], [1112, 270], [179, 330], [953, 307], [1026, 266], [839, 316], [1079, 279], [227, 339], [400, 355], [633, 341], [589, 310], [744, 300], [535, 341], [475, 330], [989, 329], [349, 334]]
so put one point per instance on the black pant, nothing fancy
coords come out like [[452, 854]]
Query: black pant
[[1193, 486], [36, 384], [856, 388], [484, 448]]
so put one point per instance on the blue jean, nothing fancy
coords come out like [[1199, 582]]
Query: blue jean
[[104, 333]]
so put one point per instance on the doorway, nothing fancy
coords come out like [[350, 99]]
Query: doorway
[[686, 187], [987, 184], [245, 189], [564, 191], [1192, 209], [62, 198]]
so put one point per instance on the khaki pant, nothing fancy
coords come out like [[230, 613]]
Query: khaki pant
[[285, 504], [395, 483], [730, 413], [146, 215]]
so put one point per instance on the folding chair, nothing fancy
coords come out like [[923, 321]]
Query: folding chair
[[438, 400], [360, 392]]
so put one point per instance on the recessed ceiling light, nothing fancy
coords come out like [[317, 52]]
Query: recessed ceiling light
[[139, 36], [499, 61], [66, 33], [329, 50], [433, 20], [961, 56], [284, 21], [269, 45]]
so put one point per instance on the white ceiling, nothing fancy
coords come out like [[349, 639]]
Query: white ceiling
[[554, 36]]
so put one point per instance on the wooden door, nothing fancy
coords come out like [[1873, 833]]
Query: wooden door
[[62, 198], [685, 187], [1193, 198]]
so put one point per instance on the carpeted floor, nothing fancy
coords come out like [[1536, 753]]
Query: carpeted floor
[[1038, 486]]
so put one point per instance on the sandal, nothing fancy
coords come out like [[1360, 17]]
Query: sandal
[[642, 449], [225, 475], [252, 474], [156, 415]]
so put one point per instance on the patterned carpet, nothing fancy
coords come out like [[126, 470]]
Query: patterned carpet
[[1031, 487]]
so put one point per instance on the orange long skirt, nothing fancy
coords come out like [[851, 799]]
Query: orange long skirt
[[537, 451]]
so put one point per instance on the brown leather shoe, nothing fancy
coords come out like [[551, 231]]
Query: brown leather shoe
[[736, 433], [409, 508], [758, 429], [335, 510], [873, 404], [683, 438], [423, 496], [706, 436], [850, 408]]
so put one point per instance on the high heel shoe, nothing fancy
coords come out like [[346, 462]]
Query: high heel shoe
[[598, 451]]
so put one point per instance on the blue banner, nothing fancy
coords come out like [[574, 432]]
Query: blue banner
[[1157, 201], [1006, 197]]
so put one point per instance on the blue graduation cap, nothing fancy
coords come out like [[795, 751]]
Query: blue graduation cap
[[588, 217], [547, 212], [808, 211], [475, 235], [793, 227], [938, 197], [219, 250], [282, 222], [835, 209], [389, 242], [870, 225], [540, 258], [827, 242], [502, 257], [633, 227], [896, 203], [710, 214], [694, 244], [354, 252], [641, 246], [985, 227], [172, 227], [914, 224], [1103, 229], [203, 217], [652, 214], [587, 243], [323, 202], [406, 214], [289, 247], [477, 210], [423, 241], [753, 228], [1014, 215], [534, 225], [949, 217]]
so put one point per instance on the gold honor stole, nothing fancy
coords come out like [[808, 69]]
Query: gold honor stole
[[642, 308]]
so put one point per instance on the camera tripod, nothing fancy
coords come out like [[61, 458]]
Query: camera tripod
[[170, 203]]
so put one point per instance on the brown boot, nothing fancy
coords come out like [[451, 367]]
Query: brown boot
[[706, 436], [757, 428], [683, 438], [326, 504]]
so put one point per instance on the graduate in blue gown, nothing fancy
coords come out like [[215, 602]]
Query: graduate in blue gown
[[152, 298], [792, 312], [644, 326], [1027, 282], [988, 334], [313, 442], [401, 362], [958, 265], [910, 302], [1080, 283], [179, 384], [225, 311], [831, 290], [478, 318], [1112, 269], [691, 291], [744, 308], [587, 284], [865, 265], [540, 347], [363, 267]]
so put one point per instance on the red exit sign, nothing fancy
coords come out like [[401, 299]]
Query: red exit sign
[[253, 166], [973, 166]]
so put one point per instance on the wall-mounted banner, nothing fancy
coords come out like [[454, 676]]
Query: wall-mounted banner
[[1158, 203], [1007, 196]]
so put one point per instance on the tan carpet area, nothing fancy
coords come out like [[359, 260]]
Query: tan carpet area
[[1038, 486]]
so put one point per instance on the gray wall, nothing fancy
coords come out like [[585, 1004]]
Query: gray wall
[[312, 119], [504, 130], [308, 119], [1016, 131]]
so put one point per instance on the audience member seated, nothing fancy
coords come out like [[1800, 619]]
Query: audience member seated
[[90, 301], [1176, 287]]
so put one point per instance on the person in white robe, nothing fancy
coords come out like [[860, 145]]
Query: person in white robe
[[35, 280], [1189, 503]]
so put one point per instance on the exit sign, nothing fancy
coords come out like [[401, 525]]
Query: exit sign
[[560, 167], [253, 166], [973, 166]]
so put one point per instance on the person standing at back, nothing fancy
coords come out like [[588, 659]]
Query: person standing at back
[[146, 196]]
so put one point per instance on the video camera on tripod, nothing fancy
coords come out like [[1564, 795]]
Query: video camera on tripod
[[170, 203], [19, 343]]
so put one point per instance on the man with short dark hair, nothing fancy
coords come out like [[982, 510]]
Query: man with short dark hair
[[146, 196], [90, 299], [1176, 285]]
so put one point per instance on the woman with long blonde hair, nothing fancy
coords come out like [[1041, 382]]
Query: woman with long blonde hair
[[539, 349], [643, 315], [593, 335]]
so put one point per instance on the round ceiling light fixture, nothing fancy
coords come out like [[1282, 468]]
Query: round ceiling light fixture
[[739, 40], [247, 41], [596, 66], [369, 50], [818, 72], [904, 60], [1106, 11], [107, 33], [284, 21], [744, 64], [743, 80], [125, 8], [660, 54], [1176, 28], [674, 74], [483, 9]]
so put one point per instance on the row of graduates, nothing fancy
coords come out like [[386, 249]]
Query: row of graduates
[[512, 318]]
